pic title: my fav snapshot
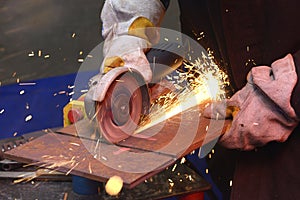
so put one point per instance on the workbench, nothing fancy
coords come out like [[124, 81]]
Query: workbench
[[156, 187], [69, 151]]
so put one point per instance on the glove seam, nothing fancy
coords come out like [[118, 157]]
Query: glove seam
[[278, 108], [295, 97]]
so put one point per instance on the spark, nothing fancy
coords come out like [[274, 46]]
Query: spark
[[2, 111], [103, 157], [31, 54], [70, 170], [250, 61], [28, 118], [47, 56], [39, 53], [27, 178], [90, 168], [73, 35], [22, 92], [230, 183], [199, 152], [75, 144], [182, 160], [121, 150], [55, 162], [80, 52], [199, 82], [80, 60], [84, 91], [171, 183], [96, 146], [27, 84], [62, 92], [174, 167], [190, 178]]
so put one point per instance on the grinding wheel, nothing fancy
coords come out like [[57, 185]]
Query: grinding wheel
[[119, 113]]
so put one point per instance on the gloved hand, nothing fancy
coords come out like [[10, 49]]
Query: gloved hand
[[261, 111], [127, 50], [128, 32], [128, 29]]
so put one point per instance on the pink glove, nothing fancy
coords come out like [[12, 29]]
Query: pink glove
[[261, 110]]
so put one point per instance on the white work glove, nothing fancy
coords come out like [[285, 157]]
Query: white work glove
[[261, 110], [128, 29], [127, 51]]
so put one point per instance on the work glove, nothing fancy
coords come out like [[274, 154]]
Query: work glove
[[127, 51], [261, 111], [129, 31]]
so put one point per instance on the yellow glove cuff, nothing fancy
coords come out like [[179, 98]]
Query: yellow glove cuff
[[143, 28], [112, 62]]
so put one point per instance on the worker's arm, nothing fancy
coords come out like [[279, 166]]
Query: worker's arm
[[129, 30], [262, 111]]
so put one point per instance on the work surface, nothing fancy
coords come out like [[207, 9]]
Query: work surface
[[74, 149], [178, 180]]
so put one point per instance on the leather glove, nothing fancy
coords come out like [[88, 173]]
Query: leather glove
[[127, 51], [261, 111], [128, 29], [128, 34]]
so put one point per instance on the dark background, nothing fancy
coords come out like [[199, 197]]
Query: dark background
[[30, 26], [59, 30]]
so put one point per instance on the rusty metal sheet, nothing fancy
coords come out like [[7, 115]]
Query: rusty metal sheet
[[175, 136], [70, 155]]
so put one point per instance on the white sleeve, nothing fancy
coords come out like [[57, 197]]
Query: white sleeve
[[118, 15]]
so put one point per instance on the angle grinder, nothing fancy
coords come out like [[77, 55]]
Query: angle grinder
[[127, 96]]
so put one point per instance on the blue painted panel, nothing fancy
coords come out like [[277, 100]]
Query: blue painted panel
[[38, 104]]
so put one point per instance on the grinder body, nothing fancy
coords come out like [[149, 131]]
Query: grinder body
[[121, 97]]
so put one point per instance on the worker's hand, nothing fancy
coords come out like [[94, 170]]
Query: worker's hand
[[261, 111], [127, 51]]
